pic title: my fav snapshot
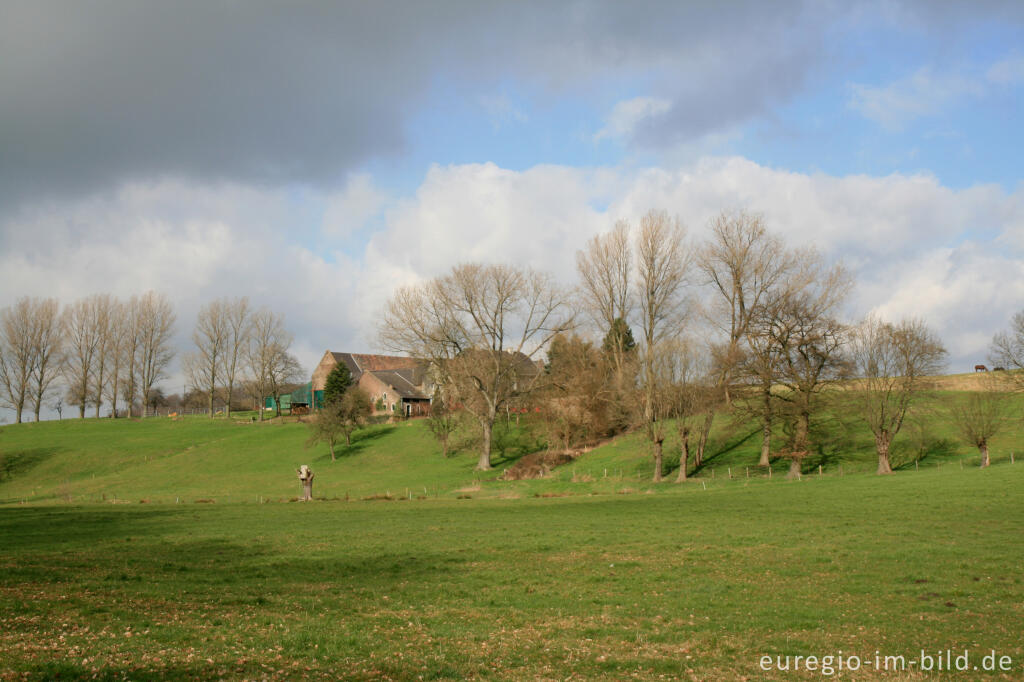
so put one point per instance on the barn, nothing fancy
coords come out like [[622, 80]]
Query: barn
[[395, 384]]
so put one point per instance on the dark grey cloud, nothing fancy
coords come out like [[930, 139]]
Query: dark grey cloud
[[93, 93]]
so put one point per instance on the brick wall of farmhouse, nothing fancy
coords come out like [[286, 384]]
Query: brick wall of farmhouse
[[327, 363], [377, 390]]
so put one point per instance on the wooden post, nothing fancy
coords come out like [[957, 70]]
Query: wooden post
[[730, 473], [819, 471], [769, 471], [748, 471], [306, 476]]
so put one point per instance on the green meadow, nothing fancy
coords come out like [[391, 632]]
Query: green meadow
[[161, 549]]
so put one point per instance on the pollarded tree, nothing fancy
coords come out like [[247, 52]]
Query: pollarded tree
[[337, 383], [481, 327], [891, 361], [981, 415]]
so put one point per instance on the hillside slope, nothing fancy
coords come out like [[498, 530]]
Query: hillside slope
[[164, 460]]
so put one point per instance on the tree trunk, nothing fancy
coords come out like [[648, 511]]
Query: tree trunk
[[227, 406], [17, 412], [684, 456], [794, 467], [983, 447], [882, 447], [484, 464], [766, 427], [307, 490], [702, 439], [657, 461], [81, 411], [331, 446]]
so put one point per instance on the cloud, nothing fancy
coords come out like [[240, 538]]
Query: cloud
[[93, 96], [501, 110], [923, 93], [902, 235], [353, 207], [627, 114], [927, 92]]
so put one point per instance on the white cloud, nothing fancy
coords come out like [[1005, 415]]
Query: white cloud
[[902, 235], [626, 115], [923, 93], [501, 110], [353, 207], [927, 92], [1009, 71]]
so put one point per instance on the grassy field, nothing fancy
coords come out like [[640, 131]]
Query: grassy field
[[698, 584], [161, 549]]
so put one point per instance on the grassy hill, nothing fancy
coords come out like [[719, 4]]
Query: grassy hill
[[165, 460]]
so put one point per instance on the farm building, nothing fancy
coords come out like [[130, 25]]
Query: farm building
[[396, 385], [296, 402]]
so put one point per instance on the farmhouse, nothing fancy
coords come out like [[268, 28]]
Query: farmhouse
[[396, 385]]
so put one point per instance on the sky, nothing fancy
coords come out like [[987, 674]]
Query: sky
[[313, 156]]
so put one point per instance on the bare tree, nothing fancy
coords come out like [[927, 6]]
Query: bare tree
[[105, 315], [693, 393], [663, 264], [239, 319], [1007, 349], [131, 339], [17, 354], [211, 337], [271, 366], [604, 267], [809, 341], [481, 326], [980, 416], [48, 351], [891, 361], [154, 352], [118, 338], [84, 337], [743, 263]]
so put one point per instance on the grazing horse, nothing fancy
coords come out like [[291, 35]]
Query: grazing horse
[[980, 368]]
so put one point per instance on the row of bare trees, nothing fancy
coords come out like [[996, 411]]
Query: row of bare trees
[[234, 343], [105, 350], [740, 323]]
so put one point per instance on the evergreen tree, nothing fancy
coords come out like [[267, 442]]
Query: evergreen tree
[[338, 381], [619, 337]]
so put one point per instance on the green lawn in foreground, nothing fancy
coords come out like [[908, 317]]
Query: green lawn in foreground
[[696, 584]]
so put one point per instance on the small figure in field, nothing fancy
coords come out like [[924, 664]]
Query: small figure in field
[[306, 476]]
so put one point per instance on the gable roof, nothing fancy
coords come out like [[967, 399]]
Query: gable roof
[[361, 362], [405, 382]]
